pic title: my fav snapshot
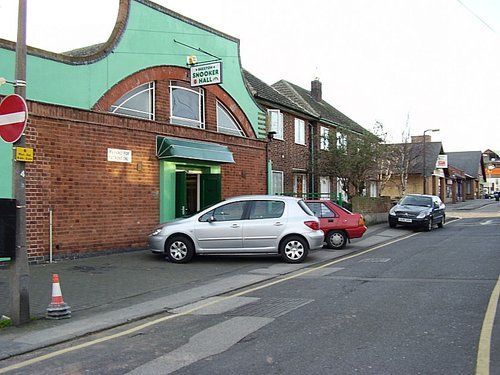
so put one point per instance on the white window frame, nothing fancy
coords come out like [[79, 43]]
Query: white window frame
[[324, 141], [324, 188], [147, 113], [341, 141], [176, 120], [300, 131], [276, 123], [273, 183], [236, 130], [345, 196]]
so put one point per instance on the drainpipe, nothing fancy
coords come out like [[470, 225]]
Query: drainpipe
[[50, 235], [312, 161]]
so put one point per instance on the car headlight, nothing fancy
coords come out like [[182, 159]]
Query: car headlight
[[156, 232], [422, 214]]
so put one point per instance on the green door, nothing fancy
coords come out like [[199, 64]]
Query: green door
[[210, 186], [180, 194]]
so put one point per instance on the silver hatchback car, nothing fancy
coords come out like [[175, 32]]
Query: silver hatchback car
[[248, 225]]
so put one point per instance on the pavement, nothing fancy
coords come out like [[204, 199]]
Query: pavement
[[110, 290]]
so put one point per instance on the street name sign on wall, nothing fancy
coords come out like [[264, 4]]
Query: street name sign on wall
[[206, 74], [13, 117]]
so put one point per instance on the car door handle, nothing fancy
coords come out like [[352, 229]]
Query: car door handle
[[330, 220], [235, 226], [278, 224]]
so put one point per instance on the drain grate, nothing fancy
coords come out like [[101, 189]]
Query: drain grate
[[270, 307]]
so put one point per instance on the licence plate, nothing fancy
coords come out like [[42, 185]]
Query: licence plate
[[404, 220]]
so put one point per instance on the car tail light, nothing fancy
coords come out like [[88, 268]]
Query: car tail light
[[361, 221], [314, 225]]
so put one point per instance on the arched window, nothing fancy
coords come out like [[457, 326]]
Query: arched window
[[138, 102], [226, 123], [186, 105]]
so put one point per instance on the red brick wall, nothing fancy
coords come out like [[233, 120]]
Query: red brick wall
[[101, 206]]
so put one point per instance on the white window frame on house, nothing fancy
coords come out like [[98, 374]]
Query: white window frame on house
[[197, 117], [226, 123], [138, 102], [324, 140], [324, 187], [276, 123], [345, 197], [373, 188], [300, 131], [341, 141], [277, 182]]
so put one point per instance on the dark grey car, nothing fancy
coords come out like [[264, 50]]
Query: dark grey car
[[418, 211]]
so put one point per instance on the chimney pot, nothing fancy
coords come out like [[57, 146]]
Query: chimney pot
[[316, 89]]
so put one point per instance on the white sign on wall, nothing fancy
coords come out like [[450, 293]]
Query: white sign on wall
[[206, 74], [120, 156]]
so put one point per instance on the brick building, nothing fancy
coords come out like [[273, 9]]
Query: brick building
[[302, 126], [121, 138]]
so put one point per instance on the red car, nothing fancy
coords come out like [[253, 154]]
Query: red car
[[338, 224]]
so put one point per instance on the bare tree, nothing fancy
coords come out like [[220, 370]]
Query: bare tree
[[399, 158], [356, 158]]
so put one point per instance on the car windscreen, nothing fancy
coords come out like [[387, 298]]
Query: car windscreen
[[412, 200]]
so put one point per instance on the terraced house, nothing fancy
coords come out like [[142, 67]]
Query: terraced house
[[301, 127]]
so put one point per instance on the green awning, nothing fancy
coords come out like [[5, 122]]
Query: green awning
[[176, 148]]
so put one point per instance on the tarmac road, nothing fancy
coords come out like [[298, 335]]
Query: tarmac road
[[110, 290]]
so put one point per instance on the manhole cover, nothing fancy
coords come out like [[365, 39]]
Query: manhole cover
[[270, 307]]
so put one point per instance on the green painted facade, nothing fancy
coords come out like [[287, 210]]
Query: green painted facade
[[148, 40]]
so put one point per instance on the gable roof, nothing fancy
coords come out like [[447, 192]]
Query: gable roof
[[323, 110], [416, 153], [471, 162], [262, 91]]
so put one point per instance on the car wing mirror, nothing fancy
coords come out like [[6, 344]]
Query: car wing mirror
[[211, 219]]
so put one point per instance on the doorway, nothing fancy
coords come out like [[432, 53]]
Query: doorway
[[195, 191]]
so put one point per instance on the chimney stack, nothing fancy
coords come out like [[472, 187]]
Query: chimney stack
[[316, 89]]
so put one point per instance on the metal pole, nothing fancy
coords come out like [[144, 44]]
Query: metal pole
[[423, 164], [19, 275]]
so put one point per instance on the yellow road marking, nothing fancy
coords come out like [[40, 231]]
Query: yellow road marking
[[483, 352]]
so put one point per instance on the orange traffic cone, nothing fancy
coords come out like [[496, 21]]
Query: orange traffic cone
[[57, 309]]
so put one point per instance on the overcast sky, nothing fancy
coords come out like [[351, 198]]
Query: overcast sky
[[433, 63]]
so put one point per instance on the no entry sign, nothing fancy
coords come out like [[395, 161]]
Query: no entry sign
[[13, 116]]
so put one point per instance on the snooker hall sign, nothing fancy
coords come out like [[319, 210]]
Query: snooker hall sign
[[206, 74]]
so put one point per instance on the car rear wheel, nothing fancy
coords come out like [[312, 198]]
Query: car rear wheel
[[179, 249], [336, 239], [294, 249], [441, 223]]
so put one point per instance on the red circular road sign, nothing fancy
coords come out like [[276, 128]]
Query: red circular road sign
[[13, 117]]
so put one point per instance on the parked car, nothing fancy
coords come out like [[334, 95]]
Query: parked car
[[418, 211], [337, 223], [250, 225]]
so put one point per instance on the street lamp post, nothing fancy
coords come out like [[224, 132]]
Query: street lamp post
[[423, 156]]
